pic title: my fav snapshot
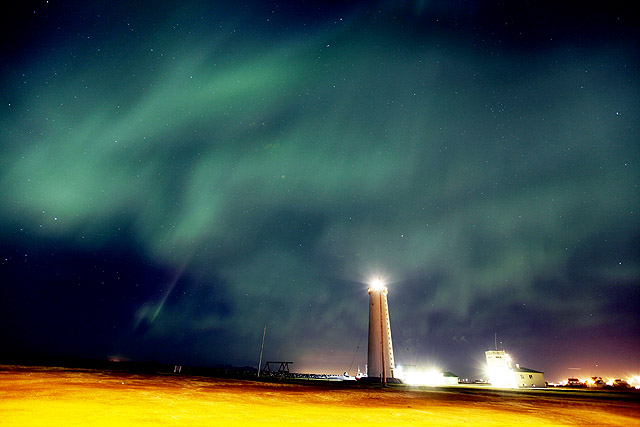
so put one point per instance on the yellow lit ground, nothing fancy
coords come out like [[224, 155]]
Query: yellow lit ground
[[53, 396]]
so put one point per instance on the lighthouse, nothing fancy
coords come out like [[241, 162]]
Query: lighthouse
[[380, 355]]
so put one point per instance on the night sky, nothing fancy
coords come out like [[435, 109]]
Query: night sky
[[175, 176]]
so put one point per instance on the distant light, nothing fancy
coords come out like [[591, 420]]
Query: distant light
[[422, 376], [502, 377], [433, 377], [499, 369]]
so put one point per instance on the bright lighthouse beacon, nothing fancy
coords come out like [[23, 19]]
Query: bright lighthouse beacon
[[380, 355]]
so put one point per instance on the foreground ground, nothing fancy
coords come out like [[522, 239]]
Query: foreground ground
[[55, 396]]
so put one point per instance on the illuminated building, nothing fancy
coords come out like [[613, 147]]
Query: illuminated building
[[499, 369], [503, 374], [526, 377], [380, 354]]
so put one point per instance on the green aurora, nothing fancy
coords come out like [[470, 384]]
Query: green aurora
[[273, 173]]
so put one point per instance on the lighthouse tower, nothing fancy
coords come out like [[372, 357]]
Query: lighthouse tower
[[380, 357]]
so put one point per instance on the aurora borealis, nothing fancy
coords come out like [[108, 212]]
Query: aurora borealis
[[174, 178]]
